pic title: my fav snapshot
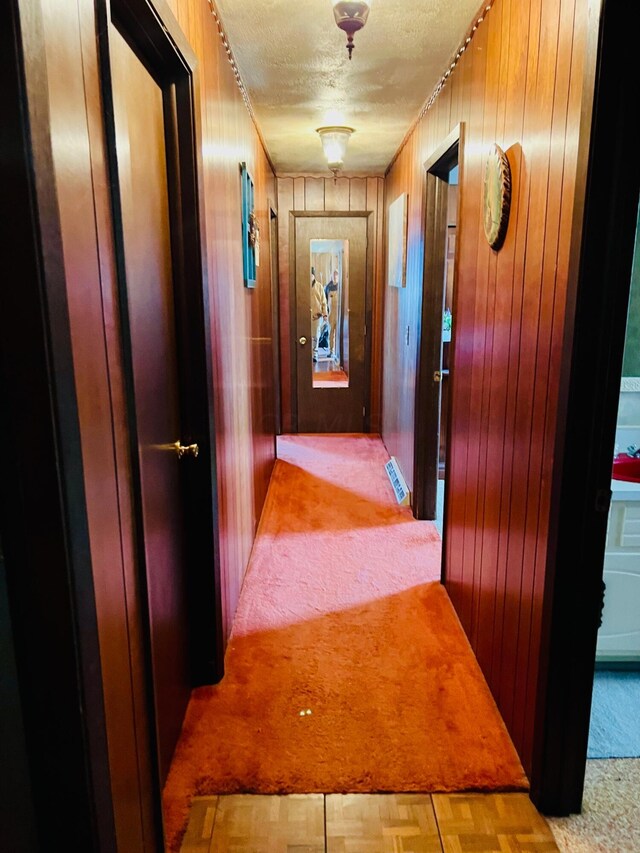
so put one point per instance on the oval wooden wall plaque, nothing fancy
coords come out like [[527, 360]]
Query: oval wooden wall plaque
[[496, 198]]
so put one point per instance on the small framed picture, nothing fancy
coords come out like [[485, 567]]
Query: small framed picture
[[397, 242], [250, 230]]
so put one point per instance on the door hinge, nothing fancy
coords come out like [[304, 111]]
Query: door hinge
[[365, 330], [364, 412], [603, 500]]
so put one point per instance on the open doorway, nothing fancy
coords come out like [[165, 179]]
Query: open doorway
[[613, 749], [614, 732], [583, 511], [435, 351]]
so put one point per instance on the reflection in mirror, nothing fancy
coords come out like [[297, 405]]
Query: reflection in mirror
[[330, 313]]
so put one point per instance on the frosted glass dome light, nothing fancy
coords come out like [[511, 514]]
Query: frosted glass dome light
[[334, 144]]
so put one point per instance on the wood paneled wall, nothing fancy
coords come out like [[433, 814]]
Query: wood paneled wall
[[242, 356], [519, 83], [240, 317], [313, 193]]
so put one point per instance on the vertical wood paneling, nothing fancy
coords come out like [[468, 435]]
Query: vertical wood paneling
[[241, 334], [509, 307], [336, 194], [484, 327], [298, 194], [358, 194], [534, 198], [84, 208], [540, 283], [498, 324], [552, 304], [518, 84], [314, 193], [307, 193], [240, 317]]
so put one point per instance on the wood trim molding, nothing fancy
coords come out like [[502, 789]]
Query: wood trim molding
[[328, 213], [327, 177], [239, 81], [442, 148]]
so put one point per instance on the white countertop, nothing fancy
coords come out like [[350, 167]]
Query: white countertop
[[625, 491]]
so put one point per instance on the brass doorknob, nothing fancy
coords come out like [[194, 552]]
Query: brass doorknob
[[303, 340], [186, 450], [437, 376]]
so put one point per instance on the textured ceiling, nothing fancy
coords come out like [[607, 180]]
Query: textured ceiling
[[294, 64]]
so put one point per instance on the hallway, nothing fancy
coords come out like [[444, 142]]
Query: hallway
[[347, 669], [189, 494]]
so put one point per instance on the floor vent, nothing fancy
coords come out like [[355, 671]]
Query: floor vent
[[400, 488]]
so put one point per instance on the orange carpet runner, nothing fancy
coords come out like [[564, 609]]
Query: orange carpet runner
[[347, 669]]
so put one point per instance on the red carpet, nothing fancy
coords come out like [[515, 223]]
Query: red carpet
[[340, 616]]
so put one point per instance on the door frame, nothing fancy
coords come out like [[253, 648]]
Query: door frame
[[274, 269], [598, 296], [159, 41], [49, 572], [292, 330], [426, 421]]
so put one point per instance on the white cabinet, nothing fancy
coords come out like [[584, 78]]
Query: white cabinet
[[619, 635]]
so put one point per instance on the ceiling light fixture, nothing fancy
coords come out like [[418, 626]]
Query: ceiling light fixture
[[334, 144], [351, 16]]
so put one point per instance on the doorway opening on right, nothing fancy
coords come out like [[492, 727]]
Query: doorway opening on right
[[445, 351], [436, 347], [613, 752], [614, 733]]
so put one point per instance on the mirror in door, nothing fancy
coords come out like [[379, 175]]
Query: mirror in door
[[329, 311], [330, 321]]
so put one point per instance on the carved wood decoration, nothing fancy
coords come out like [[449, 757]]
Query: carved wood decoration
[[496, 197]]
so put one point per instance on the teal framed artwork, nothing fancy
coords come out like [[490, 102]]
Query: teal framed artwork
[[250, 230]]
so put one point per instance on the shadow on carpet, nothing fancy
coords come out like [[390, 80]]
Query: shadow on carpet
[[383, 697], [347, 669]]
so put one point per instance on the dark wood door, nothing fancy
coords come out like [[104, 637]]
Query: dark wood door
[[144, 202], [331, 379]]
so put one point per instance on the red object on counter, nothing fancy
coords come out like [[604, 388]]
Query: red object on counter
[[627, 468]]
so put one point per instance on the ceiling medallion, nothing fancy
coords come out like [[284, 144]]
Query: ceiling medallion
[[496, 197], [351, 16]]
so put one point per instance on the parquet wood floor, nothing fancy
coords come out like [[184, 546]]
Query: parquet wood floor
[[373, 823], [367, 823], [508, 823]]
